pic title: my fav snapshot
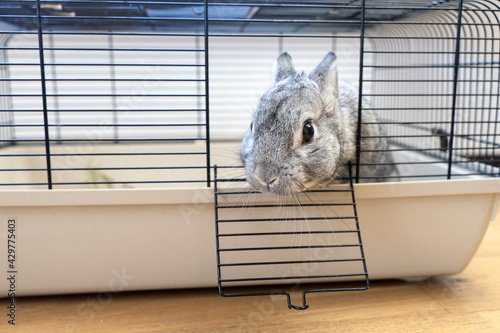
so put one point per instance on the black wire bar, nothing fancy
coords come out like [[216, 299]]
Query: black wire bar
[[314, 236], [436, 88], [429, 70], [108, 111]]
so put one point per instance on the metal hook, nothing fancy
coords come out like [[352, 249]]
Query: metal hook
[[304, 306]]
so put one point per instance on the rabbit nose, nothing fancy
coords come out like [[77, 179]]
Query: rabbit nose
[[272, 180], [269, 183]]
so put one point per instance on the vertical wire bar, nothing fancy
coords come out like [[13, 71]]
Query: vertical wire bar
[[491, 71], [199, 114], [207, 100], [217, 245], [469, 147], [443, 88], [8, 117], [55, 89], [455, 84], [360, 96], [495, 123], [355, 211], [112, 73], [481, 91], [44, 95]]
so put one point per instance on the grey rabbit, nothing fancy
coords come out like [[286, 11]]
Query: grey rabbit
[[303, 132]]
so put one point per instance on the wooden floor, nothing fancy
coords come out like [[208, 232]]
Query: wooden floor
[[467, 302]]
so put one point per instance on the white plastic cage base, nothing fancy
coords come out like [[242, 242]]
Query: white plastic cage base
[[74, 241]]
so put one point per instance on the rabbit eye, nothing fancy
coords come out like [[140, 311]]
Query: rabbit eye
[[307, 132], [251, 126]]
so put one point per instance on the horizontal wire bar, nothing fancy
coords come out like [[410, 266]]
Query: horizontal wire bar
[[285, 205], [434, 24], [342, 22], [429, 108], [432, 80], [103, 95], [367, 6], [293, 233], [309, 191], [436, 38], [292, 247], [289, 262], [25, 169], [18, 16], [108, 168], [130, 168], [416, 66], [290, 219], [227, 180], [283, 293], [103, 125], [283, 35], [127, 2], [201, 181], [472, 136], [292, 277], [202, 95], [103, 80], [99, 49], [471, 160], [405, 163], [430, 95], [339, 289], [138, 49], [110, 33], [420, 150], [133, 182], [23, 184], [265, 5], [102, 64], [120, 18], [107, 110], [243, 20], [410, 124], [272, 35], [350, 6], [419, 66], [14, 32], [428, 52], [104, 154], [104, 140], [423, 176]]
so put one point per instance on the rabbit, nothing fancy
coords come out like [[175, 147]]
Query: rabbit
[[303, 132]]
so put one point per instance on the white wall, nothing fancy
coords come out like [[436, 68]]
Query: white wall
[[239, 74]]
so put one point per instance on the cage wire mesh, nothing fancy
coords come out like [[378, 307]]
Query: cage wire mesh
[[307, 240], [116, 93], [435, 86], [151, 93]]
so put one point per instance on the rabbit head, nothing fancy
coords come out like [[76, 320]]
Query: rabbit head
[[293, 142]]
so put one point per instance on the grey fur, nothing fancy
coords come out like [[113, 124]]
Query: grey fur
[[277, 161], [283, 68]]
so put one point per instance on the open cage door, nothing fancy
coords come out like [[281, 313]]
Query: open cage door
[[311, 241]]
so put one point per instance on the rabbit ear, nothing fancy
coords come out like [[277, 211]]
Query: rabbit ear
[[283, 68], [325, 75]]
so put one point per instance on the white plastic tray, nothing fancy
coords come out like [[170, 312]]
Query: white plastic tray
[[71, 241]]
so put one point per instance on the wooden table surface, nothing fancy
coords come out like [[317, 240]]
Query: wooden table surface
[[467, 302]]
